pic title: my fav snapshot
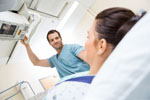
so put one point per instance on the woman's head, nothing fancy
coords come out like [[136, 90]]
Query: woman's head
[[109, 21], [108, 29]]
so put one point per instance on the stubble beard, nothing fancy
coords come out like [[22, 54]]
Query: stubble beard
[[59, 47]]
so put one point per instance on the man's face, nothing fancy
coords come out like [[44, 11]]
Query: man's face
[[55, 41]]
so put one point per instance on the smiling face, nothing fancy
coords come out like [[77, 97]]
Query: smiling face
[[55, 41]]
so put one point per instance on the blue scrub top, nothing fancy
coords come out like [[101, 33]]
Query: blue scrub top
[[67, 62]]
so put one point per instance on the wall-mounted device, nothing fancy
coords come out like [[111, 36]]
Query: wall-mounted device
[[13, 26]]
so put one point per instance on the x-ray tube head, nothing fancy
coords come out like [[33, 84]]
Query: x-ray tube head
[[13, 26]]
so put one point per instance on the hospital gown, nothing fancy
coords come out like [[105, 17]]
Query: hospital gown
[[71, 89]]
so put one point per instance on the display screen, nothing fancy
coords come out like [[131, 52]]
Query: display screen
[[7, 29]]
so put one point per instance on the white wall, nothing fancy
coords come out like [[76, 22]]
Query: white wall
[[148, 4], [82, 28], [81, 31], [68, 31], [135, 5]]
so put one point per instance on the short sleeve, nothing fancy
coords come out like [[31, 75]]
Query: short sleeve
[[50, 60], [76, 49]]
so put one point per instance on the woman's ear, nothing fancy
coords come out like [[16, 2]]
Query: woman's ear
[[102, 45]]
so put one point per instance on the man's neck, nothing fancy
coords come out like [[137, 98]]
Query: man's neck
[[59, 50]]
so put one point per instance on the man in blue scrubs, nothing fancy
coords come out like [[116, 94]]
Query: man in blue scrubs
[[70, 58]]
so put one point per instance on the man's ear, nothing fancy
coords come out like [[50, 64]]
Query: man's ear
[[102, 45]]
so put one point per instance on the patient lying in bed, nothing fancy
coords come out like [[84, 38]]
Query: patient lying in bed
[[108, 28]]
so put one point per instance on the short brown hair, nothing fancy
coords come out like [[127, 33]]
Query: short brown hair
[[51, 32]]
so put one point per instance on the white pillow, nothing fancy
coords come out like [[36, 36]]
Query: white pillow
[[126, 73]]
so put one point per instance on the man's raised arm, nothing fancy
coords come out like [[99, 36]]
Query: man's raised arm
[[34, 59]]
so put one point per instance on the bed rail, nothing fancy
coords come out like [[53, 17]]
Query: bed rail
[[19, 90]]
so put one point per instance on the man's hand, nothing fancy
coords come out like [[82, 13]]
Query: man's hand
[[24, 41]]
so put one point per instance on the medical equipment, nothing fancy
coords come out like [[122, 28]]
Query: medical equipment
[[13, 26]]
